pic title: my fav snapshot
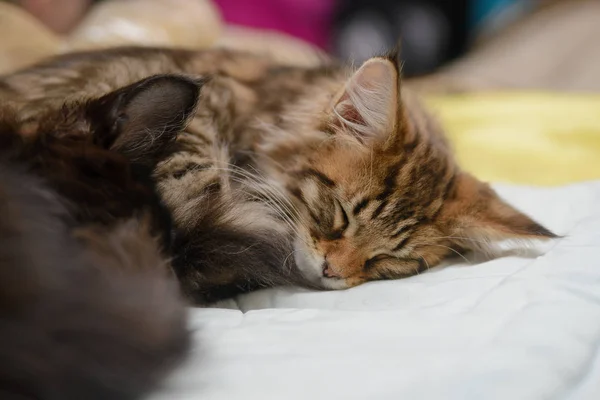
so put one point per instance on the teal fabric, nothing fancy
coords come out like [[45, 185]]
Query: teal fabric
[[483, 9]]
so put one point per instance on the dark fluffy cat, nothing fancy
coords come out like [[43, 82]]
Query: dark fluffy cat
[[89, 308]]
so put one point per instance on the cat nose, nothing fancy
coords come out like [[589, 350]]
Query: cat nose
[[328, 272]]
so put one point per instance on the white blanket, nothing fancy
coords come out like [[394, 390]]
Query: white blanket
[[508, 329]]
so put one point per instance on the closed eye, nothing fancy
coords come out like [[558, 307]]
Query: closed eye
[[340, 222], [391, 267], [371, 262]]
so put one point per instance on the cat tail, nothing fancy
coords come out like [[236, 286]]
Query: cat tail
[[94, 315]]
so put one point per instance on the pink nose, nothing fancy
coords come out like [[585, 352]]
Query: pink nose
[[328, 272]]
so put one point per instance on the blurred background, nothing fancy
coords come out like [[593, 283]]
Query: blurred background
[[531, 68], [506, 37]]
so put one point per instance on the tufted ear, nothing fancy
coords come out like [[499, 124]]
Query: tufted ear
[[367, 106], [475, 217], [140, 119]]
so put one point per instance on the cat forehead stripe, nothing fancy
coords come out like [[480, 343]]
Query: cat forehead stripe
[[321, 177], [360, 206]]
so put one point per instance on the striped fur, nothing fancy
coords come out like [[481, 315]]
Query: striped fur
[[321, 177]]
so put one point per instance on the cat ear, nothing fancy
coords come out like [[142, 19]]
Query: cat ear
[[138, 120], [367, 106], [475, 217]]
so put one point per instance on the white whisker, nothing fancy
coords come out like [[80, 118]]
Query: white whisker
[[424, 260], [445, 247]]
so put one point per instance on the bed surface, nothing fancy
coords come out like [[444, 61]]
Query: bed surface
[[512, 328]]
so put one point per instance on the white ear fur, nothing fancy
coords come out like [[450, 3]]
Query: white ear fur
[[480, 218], [367, 106]]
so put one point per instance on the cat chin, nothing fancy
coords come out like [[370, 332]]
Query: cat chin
[[311, 267]]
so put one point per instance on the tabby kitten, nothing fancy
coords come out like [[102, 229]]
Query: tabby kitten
[[88, 307], [322, 177]]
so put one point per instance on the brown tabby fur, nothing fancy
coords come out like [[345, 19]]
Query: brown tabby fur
[[88, 307], [323, 177]]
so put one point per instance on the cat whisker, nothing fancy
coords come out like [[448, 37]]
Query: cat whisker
[[449, 248], [241, 251], [274, 206], [371, 170], [462, 238], [267, 196], [286, 260], [424, 260], [264, 187], [277, 190]]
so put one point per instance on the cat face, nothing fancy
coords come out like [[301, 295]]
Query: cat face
[[383, 198]]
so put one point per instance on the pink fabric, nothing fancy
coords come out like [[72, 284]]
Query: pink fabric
[[306, 19]]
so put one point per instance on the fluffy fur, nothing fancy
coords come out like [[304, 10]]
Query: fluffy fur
[[79, 321], [342, 171], [89, 308]]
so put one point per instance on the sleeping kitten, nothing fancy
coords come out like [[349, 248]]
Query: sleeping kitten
[[321, 177], [89, 308]]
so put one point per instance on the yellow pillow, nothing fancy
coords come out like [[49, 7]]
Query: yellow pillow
[[524, 138]]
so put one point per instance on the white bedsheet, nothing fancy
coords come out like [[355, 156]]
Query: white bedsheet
[[512, 328]]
